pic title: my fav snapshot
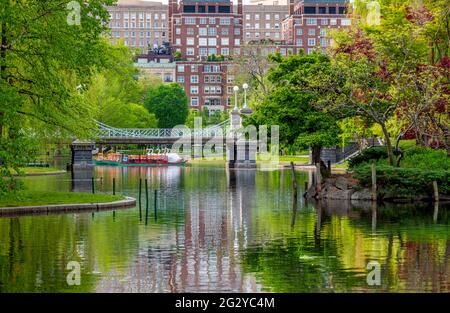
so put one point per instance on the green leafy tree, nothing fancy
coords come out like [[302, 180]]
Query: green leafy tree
[[44, 56], [169, 103], [116, 94], [295, 106]]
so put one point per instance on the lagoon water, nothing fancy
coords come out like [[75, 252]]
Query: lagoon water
[[220, 231]]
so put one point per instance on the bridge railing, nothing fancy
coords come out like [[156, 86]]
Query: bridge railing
[[106, 131]]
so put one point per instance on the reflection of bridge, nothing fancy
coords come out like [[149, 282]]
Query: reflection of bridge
[[112, 135]]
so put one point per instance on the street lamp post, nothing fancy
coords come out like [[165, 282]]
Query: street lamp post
[[245, 110], [235, 89]]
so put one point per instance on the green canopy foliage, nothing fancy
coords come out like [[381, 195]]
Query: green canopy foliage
[[169, 103]]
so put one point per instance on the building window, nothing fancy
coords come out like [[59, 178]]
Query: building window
[[189, 51], [267, 34], [178, 41], [168, 77], [189, 20], [194, 101], [194, 79], [212, 20], [299, 42], [311, 32], [247, 17], [247, 25], [225, 21], [310, 50], [256, 17], [323, 42], [247, 35], [225, 41], [203, 20], [333, 22], [277, 26], [237, 31], [310, 10], [224, 31], [212, 31], [190, 41], [212, 41], [346, 22], [311, 42], [203, 51], [277, 35], [237, 42], [194, 68], [267, 16], [323, 32], [311, 21], [322, 10], [267, 25], [190, 31], [202, 31], [299, 31], [324, 21], [212, 50], [277, 17], [237, 51], [202, 41], [256, 25], [224, 51], [180, 68], [194, 90]]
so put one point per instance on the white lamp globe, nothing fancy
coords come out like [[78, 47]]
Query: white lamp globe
[[245, 86], [236, 88]]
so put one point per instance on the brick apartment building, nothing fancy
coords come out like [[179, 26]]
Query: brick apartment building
[[308, 22], [199, 29], [140, 24]]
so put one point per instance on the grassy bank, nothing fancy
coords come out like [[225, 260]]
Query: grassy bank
[[40, 170], [29, 198]]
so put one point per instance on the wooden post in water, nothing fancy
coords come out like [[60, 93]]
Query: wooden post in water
[[93, 187], [374, 181], [140, 201], [319, 178], [436, 191], [114, 185], [294, 182], [156, 202], [436, 201], [146, 201]]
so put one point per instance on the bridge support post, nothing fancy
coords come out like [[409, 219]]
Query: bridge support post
[[241, 153], [82, 154]]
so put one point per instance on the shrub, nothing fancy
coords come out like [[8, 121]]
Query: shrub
[[404, 181], [374, 153]]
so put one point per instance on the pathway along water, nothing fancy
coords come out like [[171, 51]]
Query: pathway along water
[[223, 231]]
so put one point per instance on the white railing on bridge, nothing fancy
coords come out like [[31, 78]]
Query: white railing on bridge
[[106, 131]]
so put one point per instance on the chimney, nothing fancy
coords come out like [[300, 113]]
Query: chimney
[[291, 6]]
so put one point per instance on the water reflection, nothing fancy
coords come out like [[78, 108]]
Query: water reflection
[[224, 231]]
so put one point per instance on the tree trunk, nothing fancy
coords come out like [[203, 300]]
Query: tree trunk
[[388, 144], [316, 159]]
